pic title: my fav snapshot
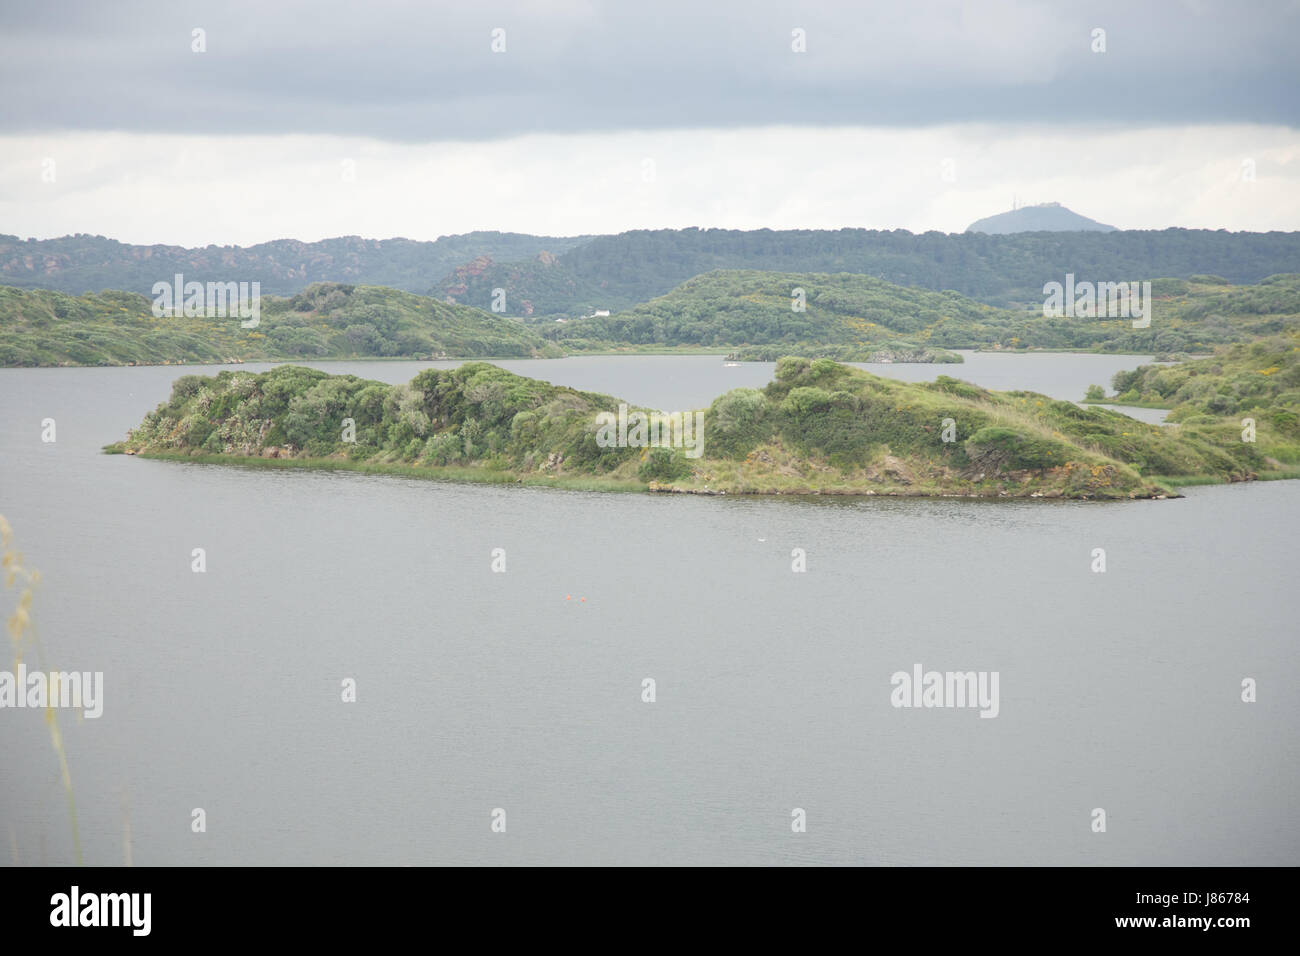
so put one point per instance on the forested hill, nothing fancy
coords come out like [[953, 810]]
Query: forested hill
[[573, 276], [996, 269], [84, 263]]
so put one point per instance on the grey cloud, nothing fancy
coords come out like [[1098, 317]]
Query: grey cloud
[[423, 72]]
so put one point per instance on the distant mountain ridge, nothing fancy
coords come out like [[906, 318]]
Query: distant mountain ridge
[[85, 263], [572, 276], [1044, 217], [1009, 270]]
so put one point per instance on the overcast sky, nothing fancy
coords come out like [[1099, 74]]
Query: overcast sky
[[385, 118]]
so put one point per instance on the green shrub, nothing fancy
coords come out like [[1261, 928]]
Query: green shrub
[[805, 400], [1007, 448], [737, 422], [663, 464]]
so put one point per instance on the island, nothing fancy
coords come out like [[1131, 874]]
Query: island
[[819, 428]]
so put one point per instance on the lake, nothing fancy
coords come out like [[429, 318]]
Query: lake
[[523, 690]]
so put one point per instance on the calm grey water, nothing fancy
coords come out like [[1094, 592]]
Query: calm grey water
[[479, 690]]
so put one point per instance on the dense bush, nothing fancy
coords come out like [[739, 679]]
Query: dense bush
[[815, 420], [1009, 448], [663, 464]]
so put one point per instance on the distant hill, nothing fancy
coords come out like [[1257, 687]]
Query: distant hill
[[535, 287], [547, 276], [846, 313], [846, 316], [617, 272], [327, 320], [83, 263], [1045, 217], [1005, 270], [744, 307]]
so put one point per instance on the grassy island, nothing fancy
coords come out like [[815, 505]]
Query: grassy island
[[818, 428]]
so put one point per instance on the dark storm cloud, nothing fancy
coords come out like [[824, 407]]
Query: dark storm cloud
[[425, 71]]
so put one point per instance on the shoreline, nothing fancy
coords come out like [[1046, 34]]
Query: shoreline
[[1166, 488], [720, 352]]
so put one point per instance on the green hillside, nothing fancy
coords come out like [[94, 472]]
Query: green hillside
[[845, 315], [328, 320], [1257, 380]]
